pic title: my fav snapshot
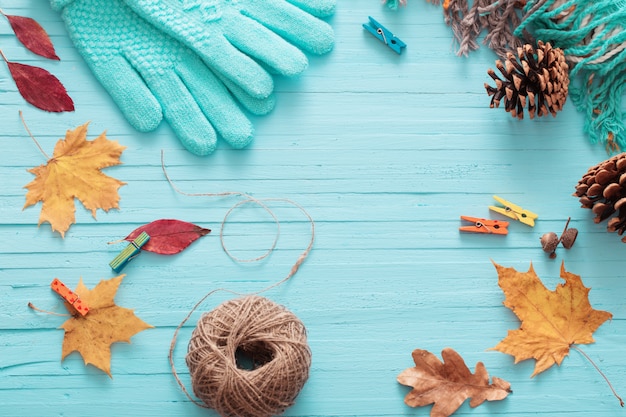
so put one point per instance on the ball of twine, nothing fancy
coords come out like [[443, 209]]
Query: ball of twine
[[272, 338]]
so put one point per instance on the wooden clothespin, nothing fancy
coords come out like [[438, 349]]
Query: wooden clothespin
[[514, 211], [70, 297], [496, 227], [131, 251], [384, 35]]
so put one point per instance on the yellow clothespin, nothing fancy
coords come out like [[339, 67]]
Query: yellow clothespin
[[514, 211]]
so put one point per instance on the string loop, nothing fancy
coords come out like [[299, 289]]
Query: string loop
[[200, 343]]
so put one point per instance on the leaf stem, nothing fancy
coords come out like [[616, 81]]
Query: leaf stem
[[31, 135], [621, 402], [4, 56], [46, 311]]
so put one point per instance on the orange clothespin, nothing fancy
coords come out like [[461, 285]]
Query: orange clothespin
[[496, 227], [70, 296]]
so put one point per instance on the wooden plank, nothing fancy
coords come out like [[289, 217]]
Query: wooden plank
[[385, 152]]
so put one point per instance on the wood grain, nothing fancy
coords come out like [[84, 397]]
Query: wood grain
[[385, 151]]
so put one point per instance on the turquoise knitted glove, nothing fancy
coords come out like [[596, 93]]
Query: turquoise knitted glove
[[234, 36], [151, 76]]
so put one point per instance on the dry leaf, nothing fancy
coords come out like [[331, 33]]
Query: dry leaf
[[447, 385], [74, 172], [552, 321], [105, 324], [168, 236], [32, 36], [40, 88]]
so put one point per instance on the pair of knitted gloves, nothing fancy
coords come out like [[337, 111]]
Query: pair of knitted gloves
[[195, 62]]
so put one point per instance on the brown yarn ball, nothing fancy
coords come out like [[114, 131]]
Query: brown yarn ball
[[267, 336]]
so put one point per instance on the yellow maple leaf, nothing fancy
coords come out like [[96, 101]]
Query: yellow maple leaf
[[74, 172], [106, 323], [552, 321]]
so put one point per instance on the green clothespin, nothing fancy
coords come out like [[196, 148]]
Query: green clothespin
[[129, 252]]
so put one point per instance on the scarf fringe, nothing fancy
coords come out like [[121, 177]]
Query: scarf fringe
[[498, 17], [393, 4], [592, 34]]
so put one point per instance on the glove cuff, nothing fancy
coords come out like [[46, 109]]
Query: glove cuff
[[59, 5]]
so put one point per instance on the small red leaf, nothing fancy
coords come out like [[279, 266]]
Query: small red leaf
[[168, 236], [40, 88], [33, 36]]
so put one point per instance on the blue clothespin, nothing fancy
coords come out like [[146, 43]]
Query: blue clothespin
[[384, 35], [129, 252]]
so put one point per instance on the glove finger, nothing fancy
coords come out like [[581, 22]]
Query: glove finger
[[183, 113], [256, 106], [129, 92], [189, 28], [263, 45], [318, 8], [293, 24], [238, 67], [216, 103]]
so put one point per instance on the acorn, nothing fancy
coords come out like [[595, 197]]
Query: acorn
[[569, 237], [550, 241]]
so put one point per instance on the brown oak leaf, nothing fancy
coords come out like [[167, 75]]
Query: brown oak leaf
[[552, 321], [447, 385], [74, 171], [106, 323]]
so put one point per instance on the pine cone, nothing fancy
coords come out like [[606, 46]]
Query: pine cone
[[539, 78], [603, 190]]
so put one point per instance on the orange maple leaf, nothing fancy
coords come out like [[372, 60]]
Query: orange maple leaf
[[106, 323], [447, 385], [74, 172], [552, 321]]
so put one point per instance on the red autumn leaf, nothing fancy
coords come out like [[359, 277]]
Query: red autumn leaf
[[33, 36], [168, 236], [40, 88]]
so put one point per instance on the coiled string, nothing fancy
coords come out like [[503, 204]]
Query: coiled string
[[281, 341]]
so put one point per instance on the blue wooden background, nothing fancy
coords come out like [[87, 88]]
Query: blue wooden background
[[385, 152]]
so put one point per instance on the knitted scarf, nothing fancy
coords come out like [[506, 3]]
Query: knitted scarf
[[393, 4], [592, 34], [498, 17]]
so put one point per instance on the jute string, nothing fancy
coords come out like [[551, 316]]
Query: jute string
[[271, 336], [252, 326]]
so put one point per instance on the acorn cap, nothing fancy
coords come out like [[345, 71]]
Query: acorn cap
[[569, 237]]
